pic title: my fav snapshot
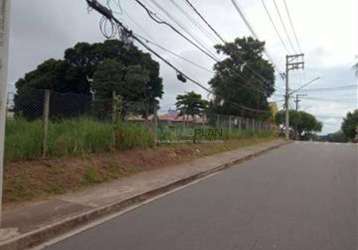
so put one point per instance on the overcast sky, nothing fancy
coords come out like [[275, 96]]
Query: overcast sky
[[327, 32]]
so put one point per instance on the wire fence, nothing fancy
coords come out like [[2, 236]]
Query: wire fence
[[45, 123]]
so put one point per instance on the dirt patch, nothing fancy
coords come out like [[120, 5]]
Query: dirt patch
[[36, 180]]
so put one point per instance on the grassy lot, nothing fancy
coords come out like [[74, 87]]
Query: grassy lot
[[83, 136], [71, 137]]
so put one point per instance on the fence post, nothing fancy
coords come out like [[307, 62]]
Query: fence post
[[230, 125], [155, 124], [114, 117], [45, 114]]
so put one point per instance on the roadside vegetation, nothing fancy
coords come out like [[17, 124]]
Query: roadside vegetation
[[72, 137], [39, 179], [83, 136]]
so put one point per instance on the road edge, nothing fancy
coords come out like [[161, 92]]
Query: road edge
[[40, 236]]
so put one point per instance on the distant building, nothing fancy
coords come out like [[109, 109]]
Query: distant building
[[173, 117]]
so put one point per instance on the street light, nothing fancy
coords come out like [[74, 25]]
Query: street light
[[304, 85]]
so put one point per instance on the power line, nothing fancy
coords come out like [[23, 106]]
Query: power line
[[245, 80], [292, 26], [154, 17], [338, 88], [137, 24], [284, 26], [249, 26], [274, 25], [345, 101], [181, 26], [261, 78], [204, 20], [174, 54], [198, 25], [107, 13]]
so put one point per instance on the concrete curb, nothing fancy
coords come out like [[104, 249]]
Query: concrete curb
[[39, 236]]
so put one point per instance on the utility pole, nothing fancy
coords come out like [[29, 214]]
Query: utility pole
[[4, 52], [293, 62]]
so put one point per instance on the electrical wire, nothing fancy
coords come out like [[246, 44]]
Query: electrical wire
[[198, 25], [274, 25], [204, 20], [292, 26], [338, 88], [177, 22], [261, 78], [155, 18], [253, 33], [108, 14], [345, 101], [284, 26], [174, 54]]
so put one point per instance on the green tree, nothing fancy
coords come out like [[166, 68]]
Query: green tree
[[302, 123], [128, 82], [238, 78], [191, 104], [73, 74], [350, 125], [56, 75], [85, 57]]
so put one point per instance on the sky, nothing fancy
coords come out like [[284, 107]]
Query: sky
[[327, 32]]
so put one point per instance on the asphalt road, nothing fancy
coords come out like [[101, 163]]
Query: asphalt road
[[302, 196]]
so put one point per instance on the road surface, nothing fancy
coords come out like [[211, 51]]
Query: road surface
[[302, 196]]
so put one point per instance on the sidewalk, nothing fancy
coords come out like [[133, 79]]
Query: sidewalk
[[39, 221]]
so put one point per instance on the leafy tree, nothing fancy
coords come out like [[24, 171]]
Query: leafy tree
[[73, 74], [236, 78], [191, 104], [350, 125], [86, 57], [127, 82], [302, 123], [56, 75]]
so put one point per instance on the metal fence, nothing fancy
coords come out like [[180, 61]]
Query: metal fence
[[85, 116]]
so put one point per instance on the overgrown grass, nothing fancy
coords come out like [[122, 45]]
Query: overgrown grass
[[23, 139], [206, 133], [129, 136], [72, 137], [85, 136]]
